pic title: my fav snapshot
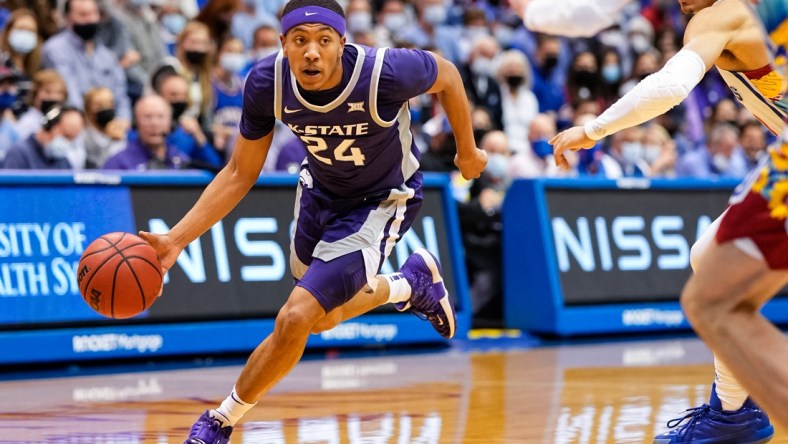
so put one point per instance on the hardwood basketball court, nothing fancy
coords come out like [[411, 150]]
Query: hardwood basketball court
[[483, 391]]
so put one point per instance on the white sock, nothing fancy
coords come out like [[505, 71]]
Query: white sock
[[232, 409], [731, 393], [399, 288]]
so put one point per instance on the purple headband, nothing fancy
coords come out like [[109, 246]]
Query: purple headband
[[313, 14]]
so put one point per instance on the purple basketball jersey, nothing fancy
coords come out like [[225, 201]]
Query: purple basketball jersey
[[360, 143]]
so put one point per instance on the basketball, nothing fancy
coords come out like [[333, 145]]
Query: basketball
[[119, 275]]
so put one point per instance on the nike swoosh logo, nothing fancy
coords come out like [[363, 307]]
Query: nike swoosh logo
[[291, 111], [440, 321], [309, 13]]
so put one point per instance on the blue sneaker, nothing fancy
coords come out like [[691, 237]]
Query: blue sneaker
[[709, 424], [429, 299], [209, 430]]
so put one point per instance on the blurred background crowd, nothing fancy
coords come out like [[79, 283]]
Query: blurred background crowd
[[157, 84]]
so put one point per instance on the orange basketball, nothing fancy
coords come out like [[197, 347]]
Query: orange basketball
[[119, 275]]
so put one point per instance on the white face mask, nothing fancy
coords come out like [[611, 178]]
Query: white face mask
[[651, 153], [22, 40], [395, 21], [435, 14], [359, 21], [631, 152], [482, 66], [262, 53], [496, 166], [720, 162], [58, 148], [233, 62]]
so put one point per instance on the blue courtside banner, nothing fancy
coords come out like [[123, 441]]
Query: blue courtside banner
[[43, 232], [236, 276]]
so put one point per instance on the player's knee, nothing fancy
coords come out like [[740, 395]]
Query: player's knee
[[291, 320]]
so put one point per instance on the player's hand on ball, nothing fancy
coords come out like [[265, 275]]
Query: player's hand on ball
[[471, 166], [167, 250], [572, 139]]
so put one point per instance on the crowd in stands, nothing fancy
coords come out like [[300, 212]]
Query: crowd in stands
[[157, 84]]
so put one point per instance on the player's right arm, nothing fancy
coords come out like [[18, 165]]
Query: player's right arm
[[706, 37], [219, 198], [236, 178], [570, 18]]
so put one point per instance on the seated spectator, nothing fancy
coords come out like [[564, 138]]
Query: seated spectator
[[21, 47], [51, 146], [659, 151], [753, 142], [626, 148], [104, 136], [247, 20], [186, 133], [150, 150], [8, 133], [720, 157], [479, 78], [519, 103], [480, 220], [537, 161], [228, 95], [264, 43], [84, 62], [47, 90], [195, 53]]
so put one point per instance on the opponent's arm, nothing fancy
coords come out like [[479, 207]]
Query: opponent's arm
[[449, 88], [219, 198], [657, 93], [571, 18]]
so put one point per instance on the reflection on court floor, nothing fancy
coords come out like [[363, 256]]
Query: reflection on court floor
[[499, 393]]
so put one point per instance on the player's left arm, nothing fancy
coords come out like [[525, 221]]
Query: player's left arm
[[706, 37], [449, 88]]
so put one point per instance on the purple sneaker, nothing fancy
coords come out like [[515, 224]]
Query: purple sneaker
[[209, 430], [429, 299], [708, 424]]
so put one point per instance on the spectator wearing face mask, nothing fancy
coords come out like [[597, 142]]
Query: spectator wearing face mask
[[391, 21], [150, 150], [659, 151], [186, 134], [359, 16], [548, 84], [171, 20], [537, 161], [82, 61], [612, 75], [47, 90], [753, 142], [228, 95], [21, 47], [480, 222], [518, 102], [479, 78], [720, 157], [626, 148], [104, 137], [195, 53], [50, 147]]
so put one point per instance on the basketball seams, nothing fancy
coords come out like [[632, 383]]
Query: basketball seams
[[122, 245]]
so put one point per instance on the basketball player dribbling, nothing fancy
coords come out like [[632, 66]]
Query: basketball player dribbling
[[741, 261], [359, 190]]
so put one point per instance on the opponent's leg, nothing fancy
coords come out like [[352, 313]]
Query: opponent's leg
[[722, 301]]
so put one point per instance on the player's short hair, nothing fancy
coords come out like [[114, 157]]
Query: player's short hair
[[331, 5]]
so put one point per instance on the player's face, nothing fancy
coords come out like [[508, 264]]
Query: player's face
[[314, 52], [693, 6]]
